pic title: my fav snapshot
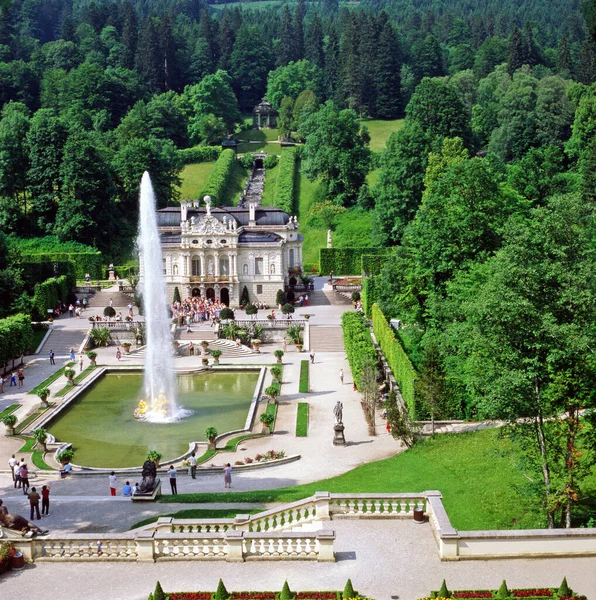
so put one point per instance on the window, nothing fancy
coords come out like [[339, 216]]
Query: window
[[223, 242], [224, 266], [259, 289], [196, 267], [164, 267], [291, 259], [258, 266], [195, 242]]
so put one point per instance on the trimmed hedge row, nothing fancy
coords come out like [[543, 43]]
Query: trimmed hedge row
[[218, 179], [343, 261], [16, 336], [373, 263], [50, 293], [358, 343], [34, 272], [84, 262], [286, 179], [199, 154], [399, 362], [369, 295]]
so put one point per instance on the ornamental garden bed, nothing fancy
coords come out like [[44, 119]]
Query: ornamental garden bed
[[563, 592]]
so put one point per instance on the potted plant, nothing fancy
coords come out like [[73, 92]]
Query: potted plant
[[251, 310], [92, 356], [43, 395], [216, 354], [41, 435], [276, 372], [273, 391], [7, 552], [10, 421], [299, 344], [155, 456], [109, 312], [256, 344], [126, 346], [69, 374], [205, 361], [278, 354], [211, 434], [65, 456], [205, 345], [267, 420], [306, 316]]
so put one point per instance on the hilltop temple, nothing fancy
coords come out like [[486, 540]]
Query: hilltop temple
[[215, 252]]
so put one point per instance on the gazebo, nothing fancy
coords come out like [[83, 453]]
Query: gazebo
[[264, 115]]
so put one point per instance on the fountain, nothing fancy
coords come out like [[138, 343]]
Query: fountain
[[159, 404]]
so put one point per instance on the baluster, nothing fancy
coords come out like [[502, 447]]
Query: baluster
[[360, 505], [131, 549], [289, 547], [206, 548], [282, 519], [307, 546], [402, 507], [274, 522], [216, 550], [280, 547], [253, 547], [262, 546], [298, 546], [271, 547]]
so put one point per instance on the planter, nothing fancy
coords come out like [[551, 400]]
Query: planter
[[126, 348], [93, 362], [256, 347], [9, 430], [299, 347], [211, 444], [266, 430], [216, 361], [205, 362], [17, 562]]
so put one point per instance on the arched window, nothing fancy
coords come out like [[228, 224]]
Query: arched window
[[291, 258], [224, 265], [196, 267]]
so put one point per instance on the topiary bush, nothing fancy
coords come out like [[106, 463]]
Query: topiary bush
[[226, 313], [177, 295], [244, 298], [221, 593], [251, 310], [349, 591], [287, 309], [220, 175], [286, 593], [109, 312], [280, 297], [199, 154], [286, 177], [343, 261]]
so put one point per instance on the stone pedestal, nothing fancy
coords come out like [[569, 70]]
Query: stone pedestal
[[339, 439], [111, 275]]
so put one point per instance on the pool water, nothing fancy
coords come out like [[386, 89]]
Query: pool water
[[104, 433]]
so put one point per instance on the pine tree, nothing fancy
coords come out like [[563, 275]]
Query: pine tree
[[350, 90], [158, 593], [225, 41], [299, 30], [429, 58], [564, 62], [285, 50], [67, 30], [586, 68], [531, 52], [130, 34], [516, 51], [206, 32], [168, 56], [588, 173], [332, 63], [148, 56], [348, 591], [388, 103], [368, 51], [244, 299], [313, 42]]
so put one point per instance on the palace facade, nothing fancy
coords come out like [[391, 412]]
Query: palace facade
[[215, 252]]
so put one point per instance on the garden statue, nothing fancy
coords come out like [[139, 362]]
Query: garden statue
[[338, 412], [149, 474], [338, 428], [18, 523], [329, 243]]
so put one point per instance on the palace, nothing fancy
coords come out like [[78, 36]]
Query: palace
[[214, 252]]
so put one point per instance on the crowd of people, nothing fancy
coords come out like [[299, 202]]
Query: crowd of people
[[196, 310]]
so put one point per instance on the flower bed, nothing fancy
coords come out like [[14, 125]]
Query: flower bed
[[261, 458]]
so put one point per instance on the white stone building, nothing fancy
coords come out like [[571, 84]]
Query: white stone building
[[215, 252]]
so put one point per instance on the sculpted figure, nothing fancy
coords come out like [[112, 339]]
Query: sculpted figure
[[18, 523], [338, 412], [149, 474]]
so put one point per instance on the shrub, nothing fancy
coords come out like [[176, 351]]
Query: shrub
[[343, 261], [270, 161], [43, 394], [244, 298], [370, 294], [280, 297], [93, 355], [199, 154], [65, 455], [16, 336], [100, 336], [154, 455], [211, 433], [50, 293], [564, 590], [349, 591], [502, 593], [69, 373], [287, 309], [401, 366], [278, 354], [158, 593], [226, 313], [355, 296], [286, 593], [108, 311], [303, 385], [284, 187], [358, 343], [294, 332], [267, 419], [221, 592], [273, 390], [251, 310], [220, 175], [445, 593], [215, 353], [276, 371], [10, 421], [40, 434]]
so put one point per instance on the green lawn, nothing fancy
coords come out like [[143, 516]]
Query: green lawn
[[194, 178], [37, 337], [269, 188], [380, 131], [474, 471], [236, 183], [302, 419], [258, 135]]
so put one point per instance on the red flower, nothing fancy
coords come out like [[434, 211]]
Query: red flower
[[528, 593]]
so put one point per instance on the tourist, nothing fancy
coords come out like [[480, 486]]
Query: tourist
[[84, 305], [87, 278], [312, 357], [24, 474], [305, 299], [52, 361], [193, 465], [71, 309], [72, 354], [285, 344], [17, 475], [112, 483], [65, 470], [127, 489], [81, 362], [12, 462], [135, 489], [34, 503], [21, 377], [111, 302], [130, 309], [341, 376], [45, 500], [3, 509], [2, 384], [191, 349], [172, 476], [118, 354], [388, 427], [228, 476], [13, 379]]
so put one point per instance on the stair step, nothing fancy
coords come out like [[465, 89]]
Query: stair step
[[62, 340]]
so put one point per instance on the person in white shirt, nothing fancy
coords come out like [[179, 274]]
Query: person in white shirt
[[112, 481], [12, 461], [193, 465], [17, 475]]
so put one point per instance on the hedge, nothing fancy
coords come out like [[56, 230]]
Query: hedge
[[220, 175], [16, 336], [50, 293], [370, 293], [373, 263], [343, 261], [303, 383], [358, 343], [35, 272], [286, 177], [199, 154], [401, 366]]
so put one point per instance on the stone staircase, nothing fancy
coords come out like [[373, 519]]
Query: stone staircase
[[62, 340], [227, 347], [100, 300], [326, 339], [196, 335], [324, 298]]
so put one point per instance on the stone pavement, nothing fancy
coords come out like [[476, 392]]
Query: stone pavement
[[385, 559]]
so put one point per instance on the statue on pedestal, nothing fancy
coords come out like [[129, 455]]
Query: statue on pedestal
[[329, 243], [338, 428], [149, 474], [18, 523]]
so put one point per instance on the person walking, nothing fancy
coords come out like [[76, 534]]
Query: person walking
[[34, 503], [312, 357], [112, 483], [45, 500], [21, 377], [24, 474], [2, 384], [52, 361], [193, 465], [72, 354], [341, 376], [228, 476], [173, 483], [81, 362], [191, 349], [17, 476], [118, 354], [13, 379], [285, 344], [12, 461]]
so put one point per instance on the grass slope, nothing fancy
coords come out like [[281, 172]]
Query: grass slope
[[269, 187], [475, 472], [194, 178], [380, 131]]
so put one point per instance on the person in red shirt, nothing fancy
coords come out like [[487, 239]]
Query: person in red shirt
[[45, 500]]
